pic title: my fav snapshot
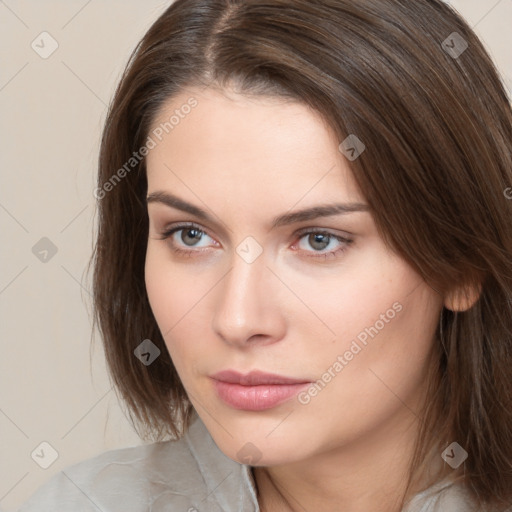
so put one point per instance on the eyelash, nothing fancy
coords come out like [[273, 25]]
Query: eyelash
[[167, 234]]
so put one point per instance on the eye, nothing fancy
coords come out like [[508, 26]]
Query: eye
[[187, 235], [320, 240], [191, 235]]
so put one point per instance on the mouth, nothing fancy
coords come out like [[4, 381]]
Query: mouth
[[255, 391]]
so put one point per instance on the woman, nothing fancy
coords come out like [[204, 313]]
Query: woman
[[303, 270]]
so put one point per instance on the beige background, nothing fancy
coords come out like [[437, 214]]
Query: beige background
[[54, 388]]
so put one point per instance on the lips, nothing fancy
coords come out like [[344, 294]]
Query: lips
[[255, 378], [256, 390]]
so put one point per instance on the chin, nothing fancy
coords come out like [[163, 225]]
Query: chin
[[256, 448]]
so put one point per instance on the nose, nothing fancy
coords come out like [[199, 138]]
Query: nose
[[247, 307]]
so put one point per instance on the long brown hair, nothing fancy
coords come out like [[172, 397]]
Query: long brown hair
[[412, 81]]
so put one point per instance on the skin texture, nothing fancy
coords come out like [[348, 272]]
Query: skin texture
[[246, 160]]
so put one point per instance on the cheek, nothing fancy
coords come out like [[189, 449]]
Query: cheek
[[173, 291], [175, 295], [384, 356], [361, 386], [378, 297], [367, 286], [159, 296], [166, 297], [384, 317]]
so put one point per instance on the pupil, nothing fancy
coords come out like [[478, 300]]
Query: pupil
[[323, 240], [195, 235]]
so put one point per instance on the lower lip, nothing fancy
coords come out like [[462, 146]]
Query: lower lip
[[256, 398]]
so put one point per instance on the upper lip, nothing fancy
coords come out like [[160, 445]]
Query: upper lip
[[254, 378]]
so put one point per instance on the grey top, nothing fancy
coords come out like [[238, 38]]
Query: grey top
[[186, 475]]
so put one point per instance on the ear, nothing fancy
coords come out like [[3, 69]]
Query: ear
[[463, 298]]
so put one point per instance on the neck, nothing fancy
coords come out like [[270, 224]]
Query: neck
[[369, 474]]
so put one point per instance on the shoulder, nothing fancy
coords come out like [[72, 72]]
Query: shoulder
[[117, 478], [442, 497], [179, 473]]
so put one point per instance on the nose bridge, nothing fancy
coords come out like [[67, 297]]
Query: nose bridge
[[242, 309]]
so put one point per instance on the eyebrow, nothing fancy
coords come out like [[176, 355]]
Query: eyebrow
[[314, 212]]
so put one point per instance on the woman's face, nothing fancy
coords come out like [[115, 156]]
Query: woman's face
[[315, 298]]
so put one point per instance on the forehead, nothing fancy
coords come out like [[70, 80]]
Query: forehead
[[242, 145]]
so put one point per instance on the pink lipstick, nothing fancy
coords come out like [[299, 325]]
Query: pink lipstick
[[255, 391]]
